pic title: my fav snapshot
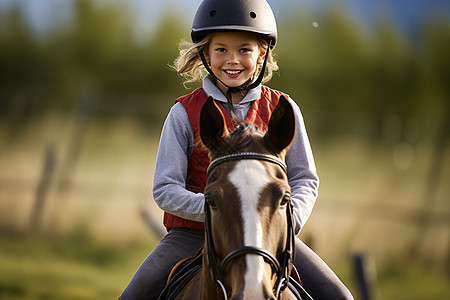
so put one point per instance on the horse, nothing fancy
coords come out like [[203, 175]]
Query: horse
[[249, 236]]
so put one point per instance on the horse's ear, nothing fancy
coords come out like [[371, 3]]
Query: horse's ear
[[212, 125], [281, 130]]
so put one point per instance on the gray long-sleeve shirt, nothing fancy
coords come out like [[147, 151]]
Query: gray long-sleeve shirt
[[176, 145]]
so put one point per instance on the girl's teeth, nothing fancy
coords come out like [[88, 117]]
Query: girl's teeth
[[233, 72]]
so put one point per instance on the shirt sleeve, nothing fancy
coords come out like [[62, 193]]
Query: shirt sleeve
[[169, 181], [302, 174]]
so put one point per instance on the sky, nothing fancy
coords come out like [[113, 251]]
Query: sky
[[405, 14]]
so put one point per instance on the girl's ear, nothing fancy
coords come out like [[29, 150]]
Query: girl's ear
[[261, 57], [206, 55]]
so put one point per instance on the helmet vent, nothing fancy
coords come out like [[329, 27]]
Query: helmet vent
[[212, 13], [253, 15]]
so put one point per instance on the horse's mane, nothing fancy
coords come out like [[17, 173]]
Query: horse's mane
[[240, 139]]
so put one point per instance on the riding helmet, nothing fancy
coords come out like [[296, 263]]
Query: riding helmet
[[234, 15]]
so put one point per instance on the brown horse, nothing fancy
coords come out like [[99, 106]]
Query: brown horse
[[249, 237]]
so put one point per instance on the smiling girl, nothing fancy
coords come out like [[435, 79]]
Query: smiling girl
[[234, 57], [232, 43]]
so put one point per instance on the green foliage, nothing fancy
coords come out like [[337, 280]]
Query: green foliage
[[334, 69], [80, 268], [438, 59], [407, 281], [65, 268]]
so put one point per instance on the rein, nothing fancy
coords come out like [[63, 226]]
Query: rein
[[281, 268]]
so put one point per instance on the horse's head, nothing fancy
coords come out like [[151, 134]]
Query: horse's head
[[248, 223]]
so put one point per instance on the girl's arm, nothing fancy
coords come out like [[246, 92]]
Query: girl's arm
[[302, 174], [169, 180]]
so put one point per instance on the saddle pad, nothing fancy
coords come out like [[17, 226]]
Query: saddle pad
[[178, 280]]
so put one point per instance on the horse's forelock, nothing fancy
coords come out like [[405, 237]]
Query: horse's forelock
[[241, 138]]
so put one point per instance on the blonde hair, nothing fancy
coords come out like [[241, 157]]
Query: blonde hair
[[189, 65]]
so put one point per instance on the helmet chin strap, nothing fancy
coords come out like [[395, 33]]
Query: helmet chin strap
[[248, 85]]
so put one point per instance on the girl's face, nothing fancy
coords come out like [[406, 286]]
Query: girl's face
[[234, 57]]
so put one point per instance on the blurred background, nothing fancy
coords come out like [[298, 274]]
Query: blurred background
[[84, 90]]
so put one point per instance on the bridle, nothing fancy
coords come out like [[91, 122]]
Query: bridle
[[282, 268]]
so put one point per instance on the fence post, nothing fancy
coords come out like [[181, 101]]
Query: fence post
[[432, 185], [154, 226], [366, 276], [42, 189], [81, 119]]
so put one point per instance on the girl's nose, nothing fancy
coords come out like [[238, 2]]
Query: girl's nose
[[232, 58]]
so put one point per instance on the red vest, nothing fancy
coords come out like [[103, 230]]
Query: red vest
[[259, 114]]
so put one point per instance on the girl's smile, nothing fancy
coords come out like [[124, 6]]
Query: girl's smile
[[233, 57], [233, 73]]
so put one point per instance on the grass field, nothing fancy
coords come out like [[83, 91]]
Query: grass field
[[67, 268], [77, 268]]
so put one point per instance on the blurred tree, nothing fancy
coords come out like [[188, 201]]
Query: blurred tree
[[437, 63], [394, 76], [84, 50], [343, 76], [324, 66], [19, 59]]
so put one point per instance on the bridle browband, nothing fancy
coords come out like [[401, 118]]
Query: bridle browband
[[281, 267], [246, 155]]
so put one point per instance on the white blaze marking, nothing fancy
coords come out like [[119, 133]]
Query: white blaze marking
[[250, 177]]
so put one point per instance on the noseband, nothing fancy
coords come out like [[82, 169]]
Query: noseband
[[281, 268]]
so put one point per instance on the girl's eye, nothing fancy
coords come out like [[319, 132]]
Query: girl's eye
[[246, 50], [221, 50]]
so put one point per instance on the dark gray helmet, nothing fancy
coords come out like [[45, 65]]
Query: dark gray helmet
[[234, 15]]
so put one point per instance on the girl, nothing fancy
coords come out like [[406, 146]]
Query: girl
[[232, 40]]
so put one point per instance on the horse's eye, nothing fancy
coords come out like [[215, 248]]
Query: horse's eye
[[285, 199], [210, 201]]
